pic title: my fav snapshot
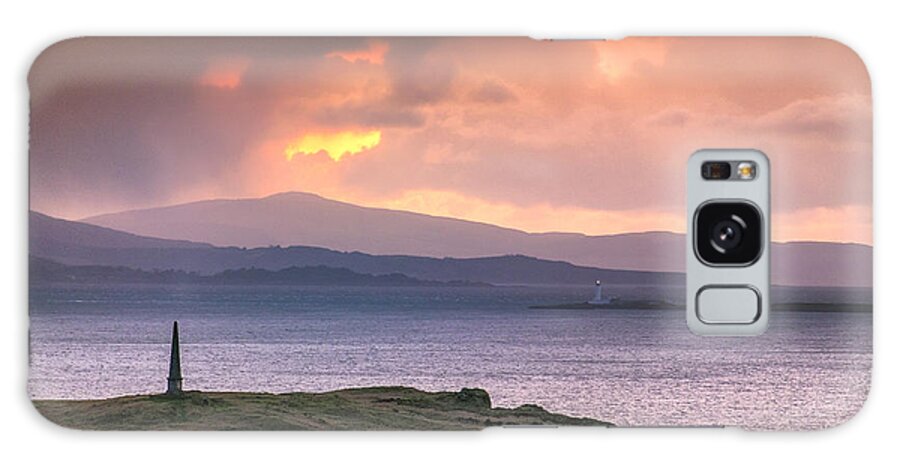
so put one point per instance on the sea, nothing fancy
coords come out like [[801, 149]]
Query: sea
[[634, 368]]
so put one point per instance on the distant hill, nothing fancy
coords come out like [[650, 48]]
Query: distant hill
[[74, 242], [43, 271], [295, 218], [513, 269], [305, 219]]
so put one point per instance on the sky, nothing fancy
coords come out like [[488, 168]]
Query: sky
[[576, 136]]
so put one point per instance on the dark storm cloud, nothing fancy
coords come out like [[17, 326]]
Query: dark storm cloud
[[123, 122]]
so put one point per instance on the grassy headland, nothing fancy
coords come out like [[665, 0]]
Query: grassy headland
[[376, 408]]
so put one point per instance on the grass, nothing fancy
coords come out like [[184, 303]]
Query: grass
[[376, 408]]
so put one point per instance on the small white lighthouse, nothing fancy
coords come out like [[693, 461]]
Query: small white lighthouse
[[598, 295]]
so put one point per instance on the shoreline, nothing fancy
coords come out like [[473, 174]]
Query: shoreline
[[369, 408]]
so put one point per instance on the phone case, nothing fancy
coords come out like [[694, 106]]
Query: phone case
[[435, 233]]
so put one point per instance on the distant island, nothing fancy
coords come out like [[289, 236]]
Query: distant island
[[615, 304], [657, 304], [44, 271], [376, 408]]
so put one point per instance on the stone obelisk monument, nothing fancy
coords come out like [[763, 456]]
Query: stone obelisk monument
[[175, 379]]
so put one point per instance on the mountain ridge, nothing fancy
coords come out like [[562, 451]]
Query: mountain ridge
[[504, 269], [305, 219], [790, 267], [48, 231], [94, 219], [308, 195]]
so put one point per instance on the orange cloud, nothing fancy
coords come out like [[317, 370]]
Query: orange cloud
[[224, 74], [538, 135], [851, 224], [373, 54], [335, 144], [543, 217]]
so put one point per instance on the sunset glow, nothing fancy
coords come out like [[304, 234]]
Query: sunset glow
[[336, 145], [536, 135], [392, 211], [224, 74], [373, 54]]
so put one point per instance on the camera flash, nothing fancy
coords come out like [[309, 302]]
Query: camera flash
[[746, 170]]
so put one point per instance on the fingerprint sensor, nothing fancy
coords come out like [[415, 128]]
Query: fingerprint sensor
[[723, 304]]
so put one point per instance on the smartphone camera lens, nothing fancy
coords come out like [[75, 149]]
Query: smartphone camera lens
[[728, 233]]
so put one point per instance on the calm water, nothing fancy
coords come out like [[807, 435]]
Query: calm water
[[629, 367]]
